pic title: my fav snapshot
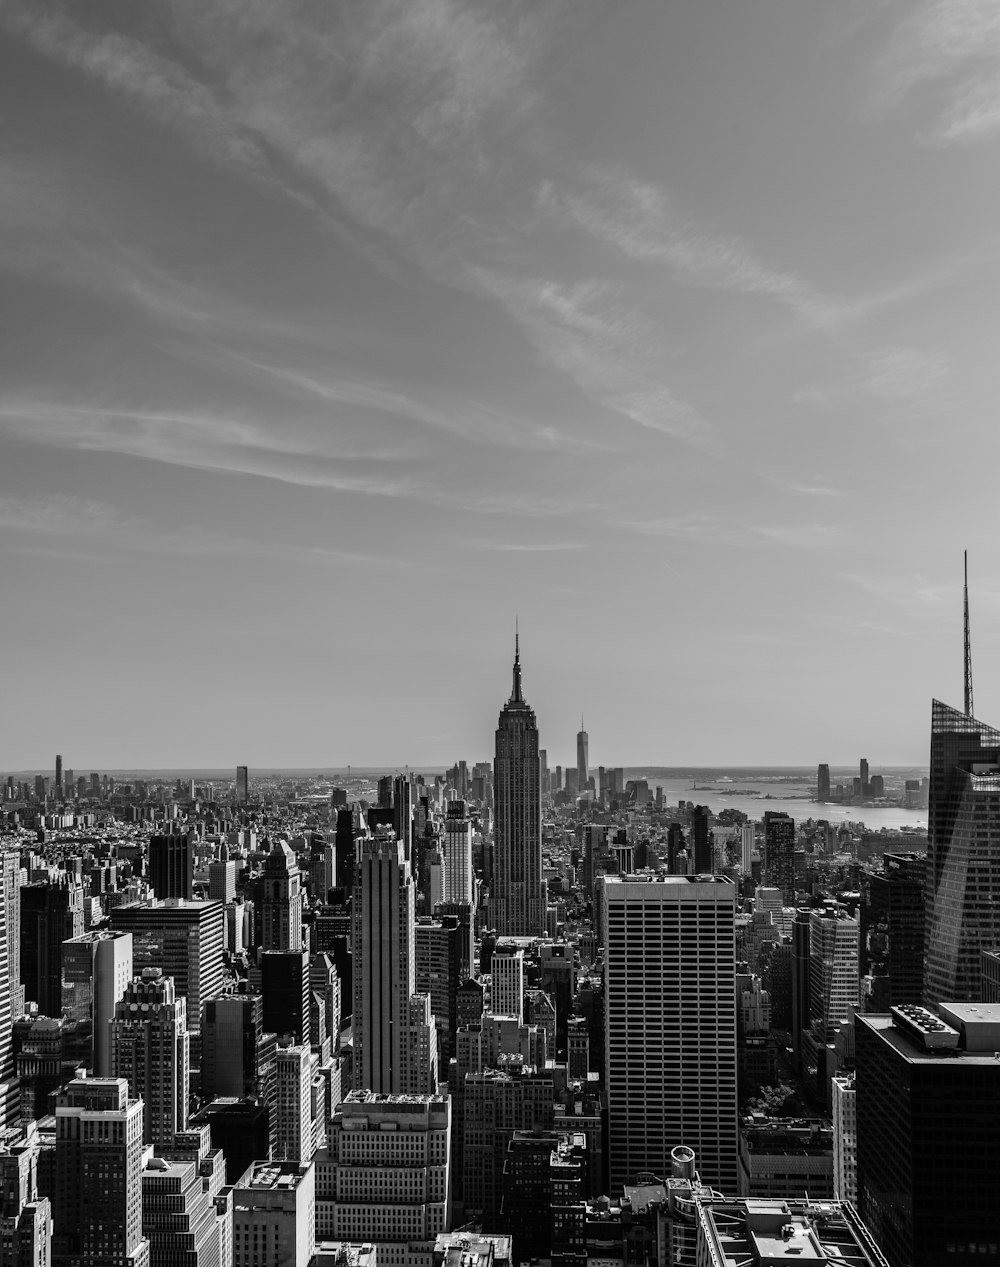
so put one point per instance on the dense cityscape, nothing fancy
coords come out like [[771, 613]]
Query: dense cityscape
[[502, 1014]]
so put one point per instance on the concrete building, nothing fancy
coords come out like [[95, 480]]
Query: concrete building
[[457, 846], [284, 978], [670, 1023], [96, 971], [295, 1129], [11, 990], [928, 1121], [222, 881], [274, 1215], [25, 1217], [834, 980], [97, 1202], [151, 1049], [845, 1138], [786, 1159], [281, 903], [395, 1045], [237, 1053], [752, 1233], [179, 1216], [386, 1175], [184, 939], [507, 973]]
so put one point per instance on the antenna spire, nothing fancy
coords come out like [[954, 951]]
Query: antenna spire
[[515, 694], [968, 643]]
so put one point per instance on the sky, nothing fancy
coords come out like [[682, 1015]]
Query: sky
[[336, 336]]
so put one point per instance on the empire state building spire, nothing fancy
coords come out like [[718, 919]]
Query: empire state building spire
[[515, 695], [517, 894]]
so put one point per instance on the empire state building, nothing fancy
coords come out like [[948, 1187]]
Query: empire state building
[[517, 902]]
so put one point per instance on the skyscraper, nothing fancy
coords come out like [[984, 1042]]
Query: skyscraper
[[928, 1120], [171, 865], [97, 1202], [184, 939], [151, 1049], [97, 967], [242, 785], [59, 774], [50, 913], [282, 902], [237, 1056], [823, 784], [670, 1024], [11, 990], [517, 905], [395, 1046], [582, 756], [962, 893], [457, 844], [779, 853]]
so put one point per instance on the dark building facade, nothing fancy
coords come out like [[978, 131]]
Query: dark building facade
[[50, 914], [892, 931], [962, 890], [779, 853], [928, 1122]]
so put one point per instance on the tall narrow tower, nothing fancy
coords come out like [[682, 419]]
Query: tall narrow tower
[[395, 1047], [582, 754], [517, 904], [969, 711], [282, 913]]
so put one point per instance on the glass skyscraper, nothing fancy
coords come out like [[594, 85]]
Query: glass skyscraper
[[962, 894]]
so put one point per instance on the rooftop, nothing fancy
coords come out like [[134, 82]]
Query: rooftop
[[273, 1175], [763, 1233]]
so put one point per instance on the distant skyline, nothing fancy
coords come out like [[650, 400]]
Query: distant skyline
[[335, 336]]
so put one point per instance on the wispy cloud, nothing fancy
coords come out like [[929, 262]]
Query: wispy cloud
[[58, 516], [909, 382], [945, 53], [307, 457], [645, 224], [609, 349], [711, 529]]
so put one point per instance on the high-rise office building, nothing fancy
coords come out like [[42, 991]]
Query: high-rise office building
[[184, 939], [386, 1175], [748, 834], [11, 990], [823, 784], [25, 1218], [179, 1214], [242, 785], [151, 1050], [294, 1129], [97, 1201], [285, 987], [863, 772], [237, 1054], [281, 913], [582, 758], [59, 774], [344, 845], [394, 1038], [507, 971], [457, 846], [845, 1137], [274, 1219], [834, 982], [402, 812], [171, 865], [222, 881], [779, 853], [670, 1024], [928, 1121], [892, 931], [50, 913], [517, 903], [701, 841], [96, 971], [962, 892]]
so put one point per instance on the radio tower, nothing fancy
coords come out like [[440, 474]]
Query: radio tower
[[968, 644]]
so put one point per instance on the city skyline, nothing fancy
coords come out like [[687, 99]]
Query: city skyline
[[326, 309]]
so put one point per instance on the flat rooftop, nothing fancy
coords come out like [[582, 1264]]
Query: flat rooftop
[[273, 1175]]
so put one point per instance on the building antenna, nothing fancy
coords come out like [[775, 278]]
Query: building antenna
[[968, 643]]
